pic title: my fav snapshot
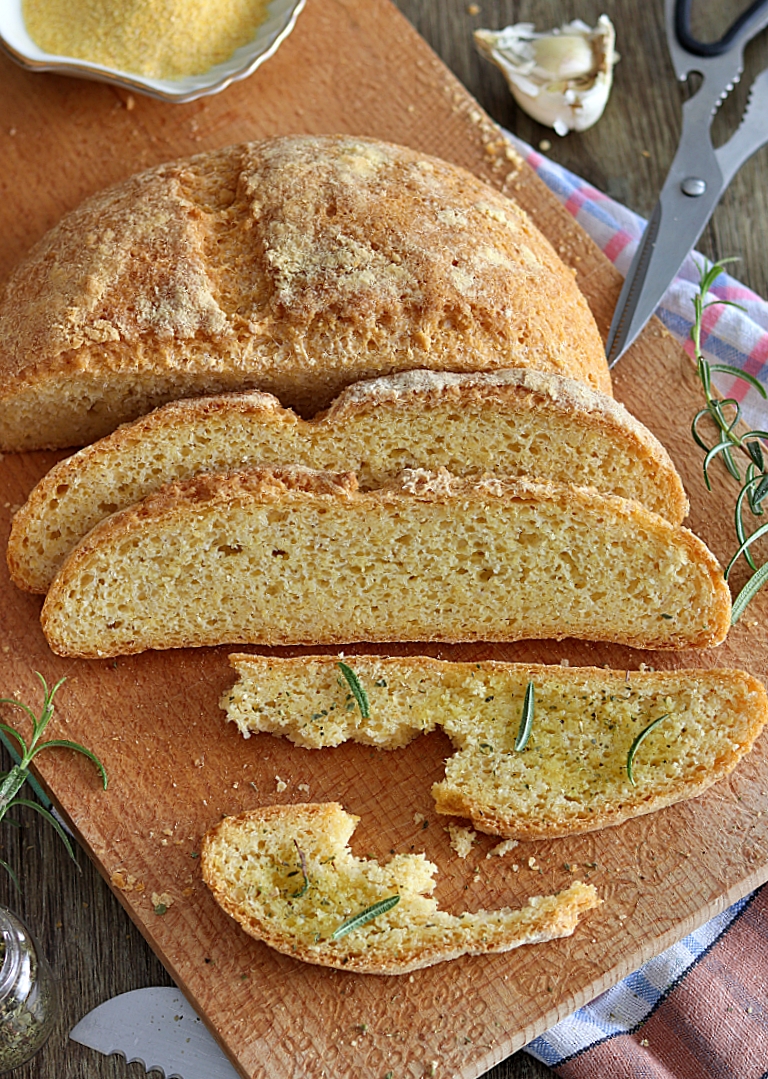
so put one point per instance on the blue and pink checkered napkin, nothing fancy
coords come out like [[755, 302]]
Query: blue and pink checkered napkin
[[699, 1010]]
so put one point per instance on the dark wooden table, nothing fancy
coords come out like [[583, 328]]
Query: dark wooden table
[[95, 950]]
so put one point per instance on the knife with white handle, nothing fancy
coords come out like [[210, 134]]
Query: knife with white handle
[[157, 1028]]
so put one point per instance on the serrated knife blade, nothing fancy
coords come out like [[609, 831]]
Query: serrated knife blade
[[157, 1028]]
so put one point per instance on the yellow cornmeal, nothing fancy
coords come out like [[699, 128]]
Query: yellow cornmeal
[[158, 38]]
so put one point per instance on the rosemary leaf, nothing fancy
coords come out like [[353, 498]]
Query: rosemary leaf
[[357, 690], [755, 451], [18, 704], [52, 821], [747, 492], [759, 493], [736, 372], [65, 743], [637, 743], [365, 916], [11, 874], [756, 535], [718, 407], [748, 592], [723, 448], [705, 371], [526, 719], [13, 733], [708, 276]]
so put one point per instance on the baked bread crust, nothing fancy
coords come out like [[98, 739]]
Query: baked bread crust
[[296, 266], [295, 556], [570, 778], [286, 874], [511, 422]]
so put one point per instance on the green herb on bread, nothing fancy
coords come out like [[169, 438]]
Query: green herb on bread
[[357, 690], [365, 916], [526, 720], [359, 914], [636, 745], [572, 775]]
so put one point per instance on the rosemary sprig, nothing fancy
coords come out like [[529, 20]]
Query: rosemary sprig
[[731, 446], [11, 782], [526, 719], [357, 690], [365, 916], [638, 742]]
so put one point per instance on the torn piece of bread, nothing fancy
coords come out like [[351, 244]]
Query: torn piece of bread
[[287, 875], [297, 556], [296, 266], [509, 423], [572, 774]]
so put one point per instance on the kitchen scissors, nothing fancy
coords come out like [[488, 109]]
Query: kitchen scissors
[[699, 173]]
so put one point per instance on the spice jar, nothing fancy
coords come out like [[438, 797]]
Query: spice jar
[[28, 1000]]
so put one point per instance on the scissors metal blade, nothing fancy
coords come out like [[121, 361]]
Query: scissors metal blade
[[699, 173], [674, 227], [752, 132]]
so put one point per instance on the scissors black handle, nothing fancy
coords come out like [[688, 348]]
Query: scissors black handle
[[711, 48]]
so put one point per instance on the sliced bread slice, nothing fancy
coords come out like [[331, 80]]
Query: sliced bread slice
[[287, 875], [577, 771], [296, 556], [509, 423]]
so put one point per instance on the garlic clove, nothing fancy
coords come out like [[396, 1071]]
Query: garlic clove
[[564, 56], [562, 78]]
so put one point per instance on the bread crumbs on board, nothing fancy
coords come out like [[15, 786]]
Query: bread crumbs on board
[[126, 882], [502, 848], [161, 901], [462, 839]]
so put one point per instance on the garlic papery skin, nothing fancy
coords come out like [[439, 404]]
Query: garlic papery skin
[[562, 78]]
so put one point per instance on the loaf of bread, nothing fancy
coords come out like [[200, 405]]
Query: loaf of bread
[[576, 771], [296, 266], [296, 556], [287, 875], [510, 423]]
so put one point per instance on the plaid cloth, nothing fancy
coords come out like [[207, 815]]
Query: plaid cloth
[[699, 1010]]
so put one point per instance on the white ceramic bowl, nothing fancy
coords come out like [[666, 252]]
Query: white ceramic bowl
[[280, 20]]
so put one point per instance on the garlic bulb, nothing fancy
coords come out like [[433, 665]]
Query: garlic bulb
[[562, 78]]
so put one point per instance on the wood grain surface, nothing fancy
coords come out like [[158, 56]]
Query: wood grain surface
[[154, 718]]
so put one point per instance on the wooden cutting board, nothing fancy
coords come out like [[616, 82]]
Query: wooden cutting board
[[175, 767]]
